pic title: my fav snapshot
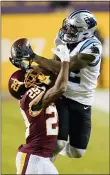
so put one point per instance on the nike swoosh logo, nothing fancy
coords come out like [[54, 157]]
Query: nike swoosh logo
[[86, 107]]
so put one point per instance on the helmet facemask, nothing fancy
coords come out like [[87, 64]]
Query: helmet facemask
[[32, 79], [78, 27], [68, 33]]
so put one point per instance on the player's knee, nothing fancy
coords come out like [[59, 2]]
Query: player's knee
[[77, 153], [61, 144], [59, 147]]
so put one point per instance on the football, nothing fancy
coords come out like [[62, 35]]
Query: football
[[17, 45]]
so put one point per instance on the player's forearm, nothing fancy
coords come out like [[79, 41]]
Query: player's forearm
[[60, 86], [62, 79], [49, 64], [55, 65], [80, 60]]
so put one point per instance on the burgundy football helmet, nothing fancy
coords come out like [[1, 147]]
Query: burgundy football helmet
[[16, 84], [20, 81]]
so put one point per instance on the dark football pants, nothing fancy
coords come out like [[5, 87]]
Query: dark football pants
[[74, 121]]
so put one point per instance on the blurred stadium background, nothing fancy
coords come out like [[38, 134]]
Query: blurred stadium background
[[39, 22]]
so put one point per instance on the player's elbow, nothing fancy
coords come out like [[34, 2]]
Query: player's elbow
[[63, 87], [62, 90], [76, 153]]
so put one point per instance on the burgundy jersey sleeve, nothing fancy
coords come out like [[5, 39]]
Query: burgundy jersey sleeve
[[41, 125], [32, 97]]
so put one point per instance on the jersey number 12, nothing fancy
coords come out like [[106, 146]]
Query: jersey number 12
[[75, 79]]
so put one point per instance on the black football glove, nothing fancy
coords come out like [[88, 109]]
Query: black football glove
[[25, 52], [19, 64], [22, 52], [16, 62], [19, 54], [24, 66]]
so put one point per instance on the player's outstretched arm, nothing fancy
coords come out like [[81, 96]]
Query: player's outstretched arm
[[78, 61], [61, 82], [49, 64], [60, 86]]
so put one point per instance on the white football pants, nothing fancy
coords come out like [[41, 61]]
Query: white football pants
[[33, 164]]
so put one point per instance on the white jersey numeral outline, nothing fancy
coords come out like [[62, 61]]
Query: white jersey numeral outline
[[26, 123], [50, 121], [33, 92]]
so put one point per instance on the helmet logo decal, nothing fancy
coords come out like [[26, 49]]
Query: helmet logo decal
[[95, 49], [90, 22]]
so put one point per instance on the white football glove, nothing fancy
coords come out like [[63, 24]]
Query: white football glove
[[62, 52]]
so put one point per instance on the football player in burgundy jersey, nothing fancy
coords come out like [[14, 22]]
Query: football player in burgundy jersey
[[40, 115], [74, 108]]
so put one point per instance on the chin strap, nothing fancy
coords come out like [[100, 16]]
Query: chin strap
[[25, 66], [30, 62]]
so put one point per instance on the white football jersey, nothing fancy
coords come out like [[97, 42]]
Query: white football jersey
[[82, 83]]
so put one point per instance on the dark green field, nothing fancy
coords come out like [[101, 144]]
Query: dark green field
[[95, 161]]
